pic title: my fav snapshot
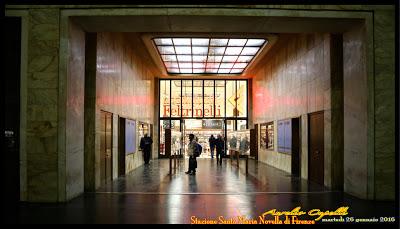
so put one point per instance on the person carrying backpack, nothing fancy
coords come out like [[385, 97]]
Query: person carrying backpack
[[192, 151]]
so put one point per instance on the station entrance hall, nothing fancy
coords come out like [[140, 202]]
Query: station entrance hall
[[298, 102]]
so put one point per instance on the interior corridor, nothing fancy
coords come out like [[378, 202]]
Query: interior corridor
[[150, 195]]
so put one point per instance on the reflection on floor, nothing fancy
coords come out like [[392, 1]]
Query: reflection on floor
[[150, 195]]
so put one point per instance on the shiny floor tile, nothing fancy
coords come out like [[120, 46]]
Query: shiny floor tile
[[150, 195]]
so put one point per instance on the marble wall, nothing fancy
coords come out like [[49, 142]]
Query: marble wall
[[384, 105], [42, 106], [74, 142], [294, 81], [124, 87], [355, 109], [45, 173]]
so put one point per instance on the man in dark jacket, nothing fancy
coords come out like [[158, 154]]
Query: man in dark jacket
[[220, 145], [212, 141], [145, 145]]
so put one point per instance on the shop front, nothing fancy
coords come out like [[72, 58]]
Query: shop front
[[200, 107]]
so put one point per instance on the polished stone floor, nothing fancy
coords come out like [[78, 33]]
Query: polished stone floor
[[150, 195]]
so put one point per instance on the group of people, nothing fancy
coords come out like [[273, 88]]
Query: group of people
[[218, 144], [215, 143]]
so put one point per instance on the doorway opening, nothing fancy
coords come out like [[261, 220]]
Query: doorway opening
[[316, 147]]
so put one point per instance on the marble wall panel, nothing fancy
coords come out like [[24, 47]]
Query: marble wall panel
[[293, 84], [124, 87], [41, 145], [74, 156], [355, 113], [384, 88]]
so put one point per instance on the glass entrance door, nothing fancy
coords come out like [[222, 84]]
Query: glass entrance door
[[202, 129]]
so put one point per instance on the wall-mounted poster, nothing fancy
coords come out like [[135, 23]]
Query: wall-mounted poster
[[270, 136], [130, 136], [263, 136], [285, 136]]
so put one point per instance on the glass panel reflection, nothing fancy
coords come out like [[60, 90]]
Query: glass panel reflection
[[241, 99], [230, 98], [164, 98], [187, 98], [197, 98], [208, 98], [219, 98], [175, 98]]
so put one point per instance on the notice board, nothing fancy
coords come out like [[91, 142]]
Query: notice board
[[130, 136], [285, 136]]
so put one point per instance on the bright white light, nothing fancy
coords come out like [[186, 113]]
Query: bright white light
[[240, 65], [185, 65], [233, 50], [183, 50], [163, 41], [244, 58], [207, 55], [199, 50], [200, 41], [185, 70], [229, 58], [166, 49], [250, 51], [255, 42], [237, 42], [198, 70], [217, 51], [168, 57], [218, 42], [184, 58], [171, 64], [181, 41], [224, 70], [226, 65], [199, 65], [199, 58], [237, 70]]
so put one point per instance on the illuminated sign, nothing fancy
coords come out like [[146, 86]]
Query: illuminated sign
[[212, 124], [176, 109]]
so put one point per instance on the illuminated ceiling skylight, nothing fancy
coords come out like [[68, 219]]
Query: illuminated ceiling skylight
[[207, 55]]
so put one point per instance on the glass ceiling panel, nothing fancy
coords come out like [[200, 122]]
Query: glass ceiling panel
[[181, 41], [163, 41], [199, 50], [255, 42], [233, 50], [218, 42], [207, 55], [199, 58], [237, 42], [183, 50], [200, 42]]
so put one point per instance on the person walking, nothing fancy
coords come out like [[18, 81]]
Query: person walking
[[145, 145], [212, 141], [192, 155], [220, 147]]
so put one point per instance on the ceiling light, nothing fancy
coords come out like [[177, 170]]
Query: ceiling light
[[207, 55]]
